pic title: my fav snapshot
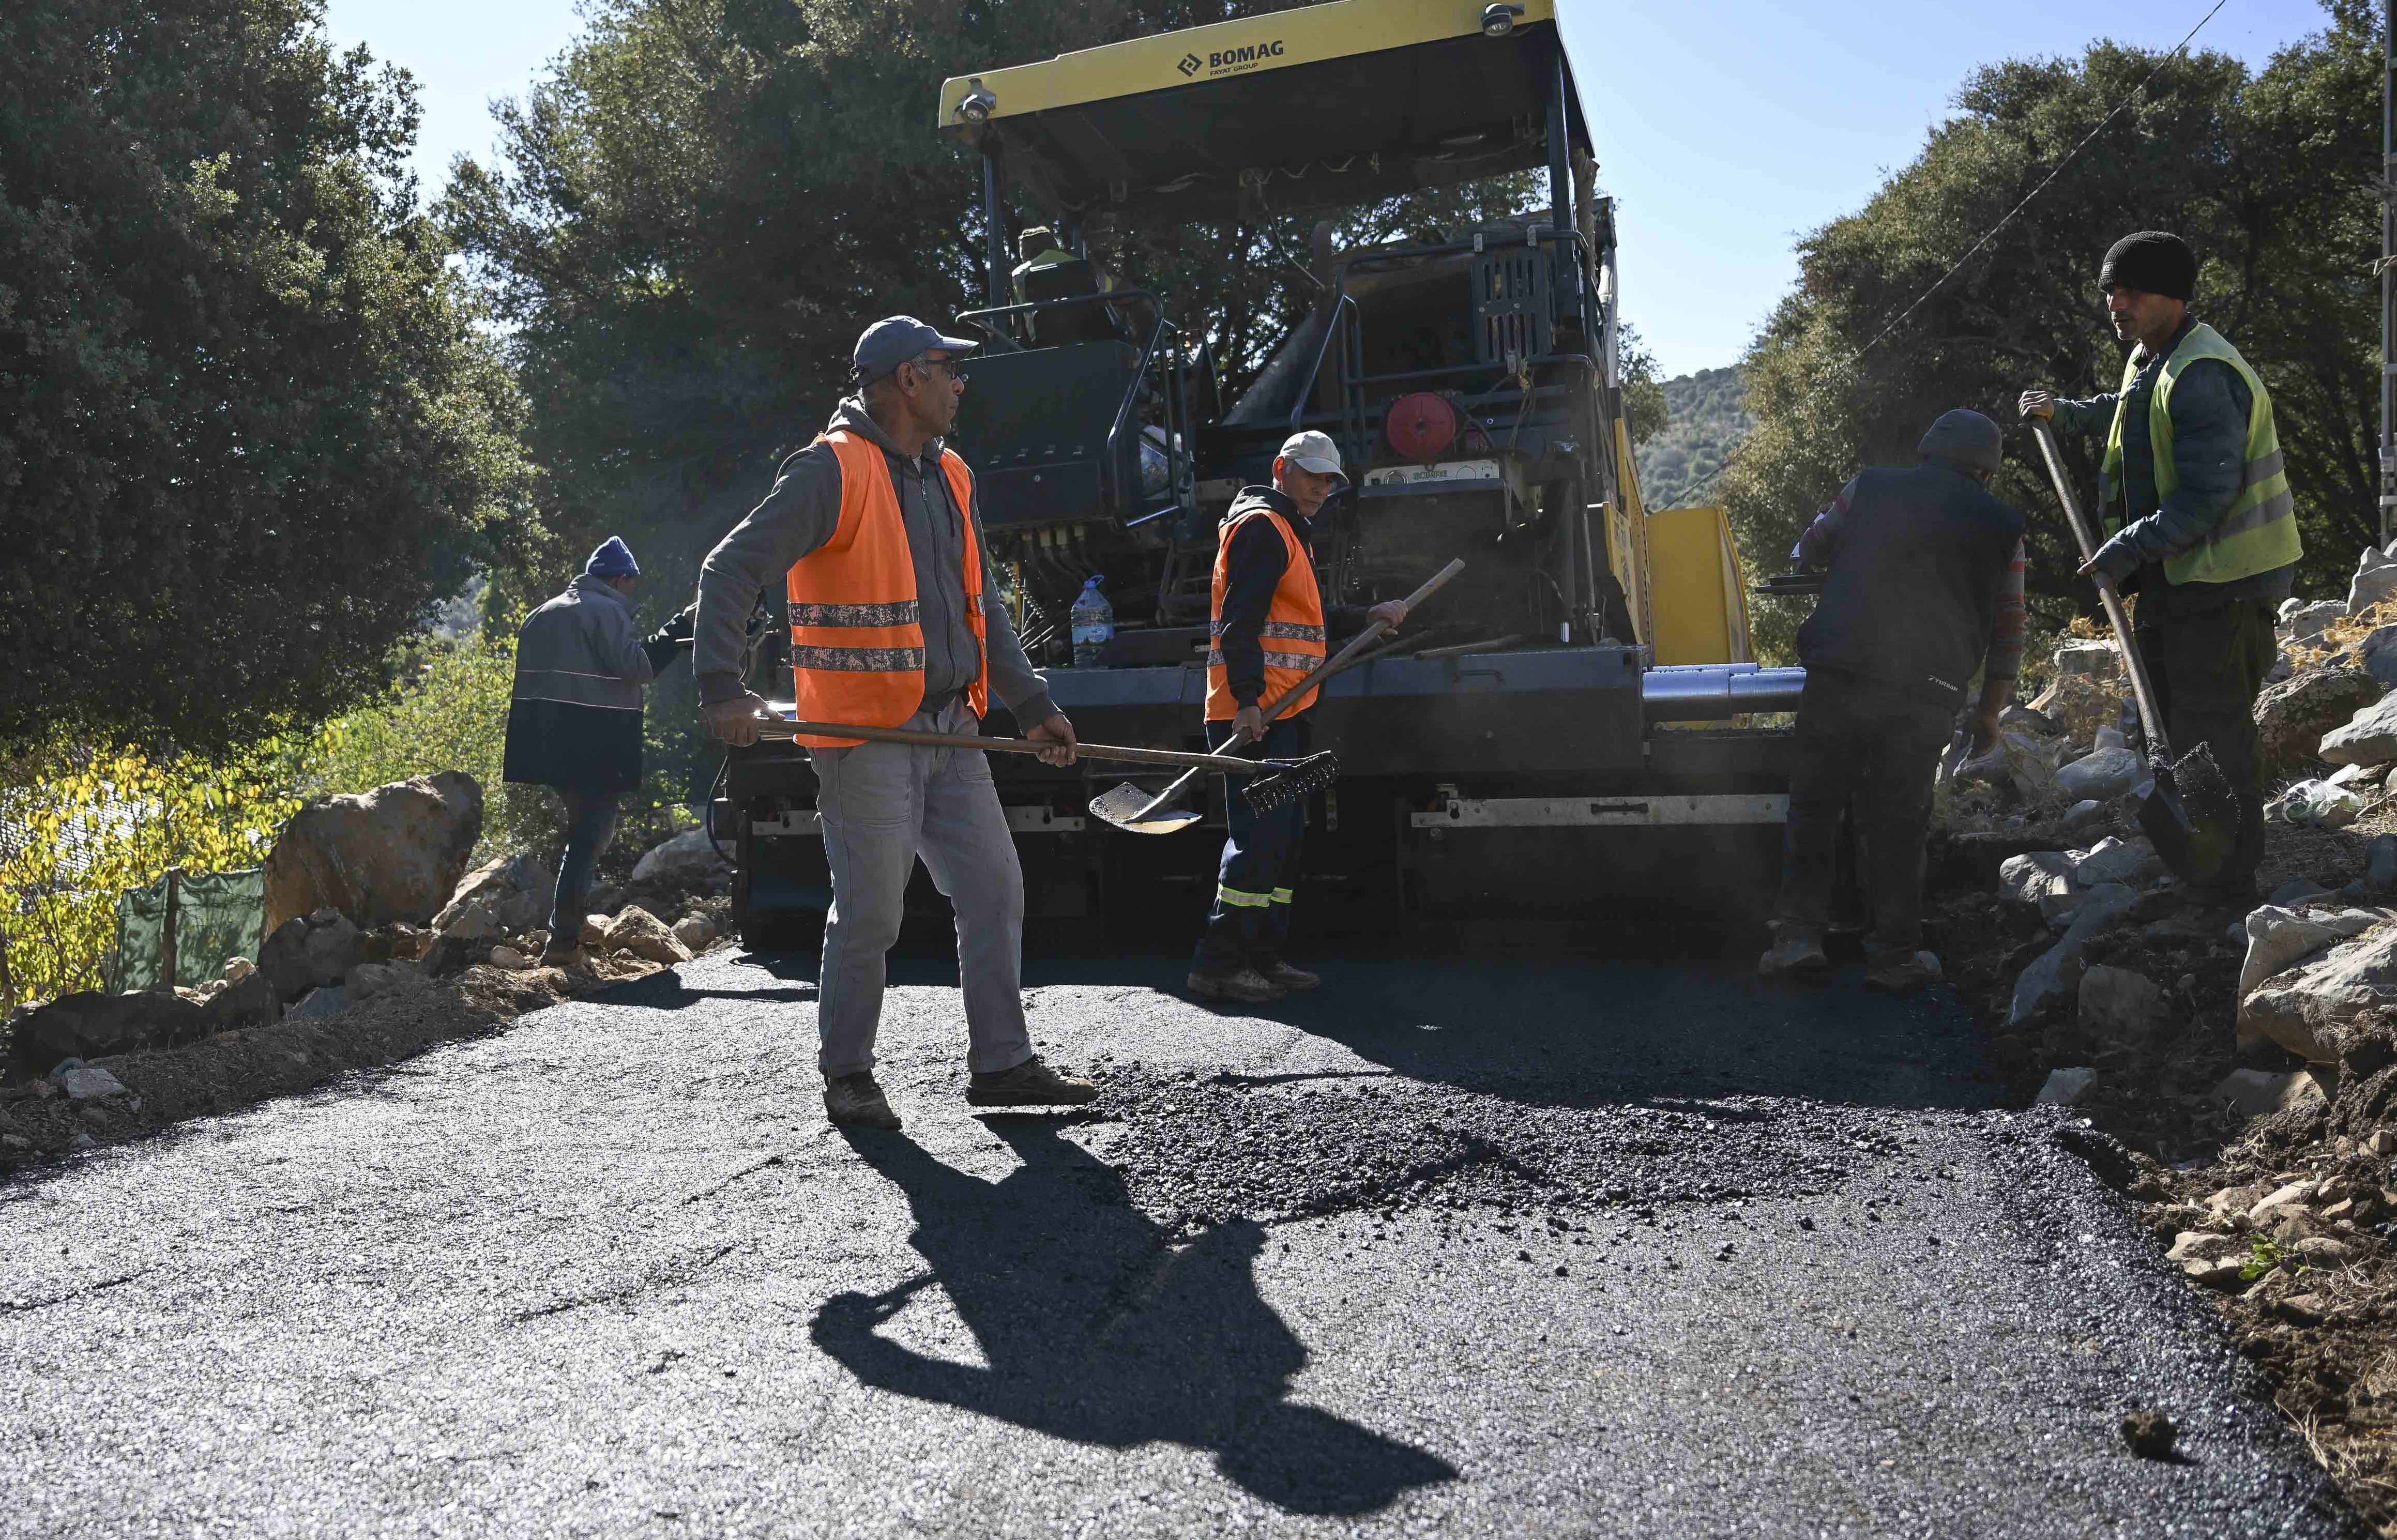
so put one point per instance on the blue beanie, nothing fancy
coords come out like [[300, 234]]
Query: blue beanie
[[614, 560]]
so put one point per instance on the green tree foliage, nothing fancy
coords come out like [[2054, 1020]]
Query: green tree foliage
[[249, 432], [1703, 420], [2269, 176]]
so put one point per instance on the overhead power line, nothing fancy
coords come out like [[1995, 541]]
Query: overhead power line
[[2069, 156]]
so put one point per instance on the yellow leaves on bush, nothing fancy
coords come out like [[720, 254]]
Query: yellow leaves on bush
[[78, 827]]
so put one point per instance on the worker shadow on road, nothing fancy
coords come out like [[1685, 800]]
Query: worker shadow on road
[[762, 979], [1095, 1330]]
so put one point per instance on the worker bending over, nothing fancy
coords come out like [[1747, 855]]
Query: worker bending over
[[2202, 528], [874, 531], [1925, 586], [1268, 628]]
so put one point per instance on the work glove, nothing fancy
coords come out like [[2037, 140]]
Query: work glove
[[2117, 559], [665, 643]]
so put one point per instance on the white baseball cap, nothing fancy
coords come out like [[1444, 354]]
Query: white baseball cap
[[1314, 451]]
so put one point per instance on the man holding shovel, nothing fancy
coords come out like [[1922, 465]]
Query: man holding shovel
[[873, 532], [2201, 523], [1268, 628]]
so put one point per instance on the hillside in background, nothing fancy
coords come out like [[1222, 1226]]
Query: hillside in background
[[1703, 420]]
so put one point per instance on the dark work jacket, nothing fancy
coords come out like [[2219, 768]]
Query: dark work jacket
[[1917, 558], [575, 718]]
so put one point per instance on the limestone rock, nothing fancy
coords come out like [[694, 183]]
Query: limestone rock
[[2279, 938], [319, 1005], [90, 1083], [238, 969], [643, 934], [694, 932], [2313, 1011], [2369, 737], [2291, 717], [2133, 863], [96, 1025], [2117, 1003], [508, 957], [308, 951], [2375, 579], [2205, 1245], [2254, 1092], [2085, 813], [2094, 656], [470, 922], [2101, 774], [2035, 875], [369, 979], [2305, 620], [393, 853], [2064, 1087], [685, 861], [516, 890], [595, 930], [2056, 972], [250, 1002]]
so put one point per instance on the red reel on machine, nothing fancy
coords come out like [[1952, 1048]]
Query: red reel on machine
[[1421, 426]]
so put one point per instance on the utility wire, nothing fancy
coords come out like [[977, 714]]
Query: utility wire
[[2070, 156], [1995, 230]]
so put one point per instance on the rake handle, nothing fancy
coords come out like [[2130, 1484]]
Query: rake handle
[[2086, 538], [783, 728], [1329, 666]]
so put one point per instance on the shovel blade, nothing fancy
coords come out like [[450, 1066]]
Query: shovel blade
[[2192, 817], [1137, 809]]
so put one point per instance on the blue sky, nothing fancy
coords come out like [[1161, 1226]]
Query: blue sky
[[1727, 130]]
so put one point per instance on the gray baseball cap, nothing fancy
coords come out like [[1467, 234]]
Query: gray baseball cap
[[892, 340], [1314, 451]]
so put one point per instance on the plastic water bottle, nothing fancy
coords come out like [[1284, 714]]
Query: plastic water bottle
[[1094, 619]]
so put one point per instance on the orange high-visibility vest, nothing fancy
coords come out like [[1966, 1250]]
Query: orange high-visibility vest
[[1294, 635], [857, 634]]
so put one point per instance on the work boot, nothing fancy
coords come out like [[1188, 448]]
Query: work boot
[[1289, 975], [1245, 985], [1029, 1084], [1794, 951], [1904, 972], [856, 1101], [560, 954]]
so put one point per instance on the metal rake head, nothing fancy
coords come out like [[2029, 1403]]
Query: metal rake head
[[1292, 780]]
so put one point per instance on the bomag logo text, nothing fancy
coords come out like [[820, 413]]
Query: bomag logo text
[[1244, 59]]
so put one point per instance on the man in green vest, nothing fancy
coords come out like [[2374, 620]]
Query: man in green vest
[[2198, 518]]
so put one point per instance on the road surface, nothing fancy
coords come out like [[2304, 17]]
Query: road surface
[[1453, 1248]]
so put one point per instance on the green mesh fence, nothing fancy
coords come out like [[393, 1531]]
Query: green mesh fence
[[218, 915]]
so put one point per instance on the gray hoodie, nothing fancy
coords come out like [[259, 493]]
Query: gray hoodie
[[801, 514]]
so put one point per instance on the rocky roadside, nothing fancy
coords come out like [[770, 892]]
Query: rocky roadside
[[325, 999], [2247, 1061]]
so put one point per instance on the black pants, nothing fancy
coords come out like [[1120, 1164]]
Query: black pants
[[1855, 733], [2207, 669], [1249, 922], [590, 825]]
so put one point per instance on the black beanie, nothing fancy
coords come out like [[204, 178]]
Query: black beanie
[[2152, 262]]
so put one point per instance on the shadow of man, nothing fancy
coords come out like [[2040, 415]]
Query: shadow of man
[[1096, 1331]]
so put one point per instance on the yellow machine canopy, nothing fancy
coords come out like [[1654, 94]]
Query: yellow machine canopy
[[1300, 109]]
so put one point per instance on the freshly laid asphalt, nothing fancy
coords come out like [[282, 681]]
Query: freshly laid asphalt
[[1456, 1247]]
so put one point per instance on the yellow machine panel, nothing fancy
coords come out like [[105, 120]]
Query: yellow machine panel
[[1277, 41], [1700, 593]]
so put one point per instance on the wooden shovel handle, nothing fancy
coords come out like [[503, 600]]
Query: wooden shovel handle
[[2086, 538]]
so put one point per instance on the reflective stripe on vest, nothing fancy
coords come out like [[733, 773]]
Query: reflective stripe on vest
[[2258, 532], [857, 634], [1295, 633]]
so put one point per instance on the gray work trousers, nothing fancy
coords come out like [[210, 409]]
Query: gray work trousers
[[883, 806]]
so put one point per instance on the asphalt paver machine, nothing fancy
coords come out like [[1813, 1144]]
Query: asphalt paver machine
[[1564, 740]]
